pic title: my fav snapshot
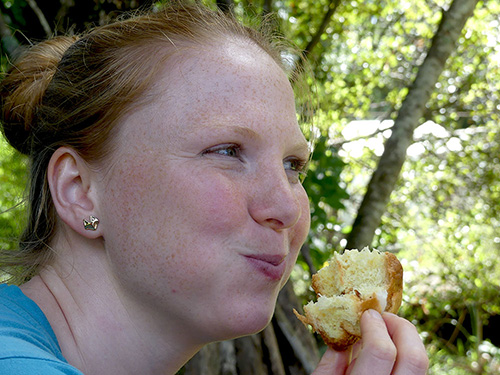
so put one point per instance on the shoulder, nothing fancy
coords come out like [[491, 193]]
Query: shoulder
[[27, 343], [30, 366]]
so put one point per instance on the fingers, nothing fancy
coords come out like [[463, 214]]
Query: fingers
[[378, 353], [411, 355], [333, 363], [390, 345]]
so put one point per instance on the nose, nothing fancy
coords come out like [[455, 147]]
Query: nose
[[275, 202]]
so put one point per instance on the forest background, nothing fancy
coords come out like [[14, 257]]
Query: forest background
[[406, 160]]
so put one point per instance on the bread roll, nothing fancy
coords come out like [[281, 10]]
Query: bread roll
[[351, 283]]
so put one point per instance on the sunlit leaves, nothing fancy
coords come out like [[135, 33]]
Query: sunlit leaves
[[326, 195], [12, 181]]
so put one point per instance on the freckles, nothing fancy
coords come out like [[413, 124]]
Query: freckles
[[221, 204], [127, 204]]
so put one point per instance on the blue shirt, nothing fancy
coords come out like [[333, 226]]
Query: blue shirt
[[28, 345]]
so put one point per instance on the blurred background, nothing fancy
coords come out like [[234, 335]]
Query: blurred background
[[404, 100]]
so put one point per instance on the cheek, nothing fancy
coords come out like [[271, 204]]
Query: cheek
[[165, 212], [301, 228], [221, 203], [173, 193]]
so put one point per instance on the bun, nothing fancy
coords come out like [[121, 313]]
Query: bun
[[351, 283], [22, 89]]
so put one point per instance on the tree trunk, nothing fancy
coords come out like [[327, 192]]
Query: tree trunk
[[286, 346], [385, 176]]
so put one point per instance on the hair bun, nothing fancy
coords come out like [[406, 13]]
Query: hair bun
[[22, 89]]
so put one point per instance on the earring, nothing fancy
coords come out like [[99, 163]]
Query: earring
[[92, 224]]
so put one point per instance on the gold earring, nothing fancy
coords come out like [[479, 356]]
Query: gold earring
[[92, 224]]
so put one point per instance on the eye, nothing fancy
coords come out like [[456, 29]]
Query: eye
[[230, 150], [296, 167]]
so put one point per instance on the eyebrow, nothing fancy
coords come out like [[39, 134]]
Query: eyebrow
[[247, 132], [235, 129]]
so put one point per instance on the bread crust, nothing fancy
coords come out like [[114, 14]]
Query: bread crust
[[395, 289], [350, 334]]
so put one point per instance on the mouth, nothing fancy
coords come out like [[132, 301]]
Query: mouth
[[271, 266]]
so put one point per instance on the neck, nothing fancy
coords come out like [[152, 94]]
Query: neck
[[98, 329]]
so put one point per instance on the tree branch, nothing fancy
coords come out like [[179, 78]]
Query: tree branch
[[332, 7], [41, 17], [385, 176]]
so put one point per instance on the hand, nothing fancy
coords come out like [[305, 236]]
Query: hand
[[390, 346]]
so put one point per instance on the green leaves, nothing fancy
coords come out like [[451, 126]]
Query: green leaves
[[326, 194], [12, 183]]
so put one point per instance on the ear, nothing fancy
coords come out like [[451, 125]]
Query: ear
[[70, 182]]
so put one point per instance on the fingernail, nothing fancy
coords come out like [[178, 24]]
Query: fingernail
[[389, 313], [374, 314]]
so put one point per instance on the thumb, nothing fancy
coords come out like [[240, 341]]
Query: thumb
[[333, 363]]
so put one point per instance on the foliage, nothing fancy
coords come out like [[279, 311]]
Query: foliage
[[442, 221], [326, 196], [457, 176], [12, 181]]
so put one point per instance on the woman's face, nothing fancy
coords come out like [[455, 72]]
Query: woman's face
[[202, 210]]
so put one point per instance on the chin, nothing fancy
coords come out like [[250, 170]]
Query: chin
[[256, 321], [245, 323], [258, 325]]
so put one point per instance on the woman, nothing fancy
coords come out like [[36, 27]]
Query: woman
[[166, 209]]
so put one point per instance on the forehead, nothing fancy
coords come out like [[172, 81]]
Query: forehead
[[231, 84], [228, 69]]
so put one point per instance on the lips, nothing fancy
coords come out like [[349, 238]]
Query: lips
[[271, 266]]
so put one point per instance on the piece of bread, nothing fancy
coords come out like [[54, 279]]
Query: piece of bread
[[351, 283]]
